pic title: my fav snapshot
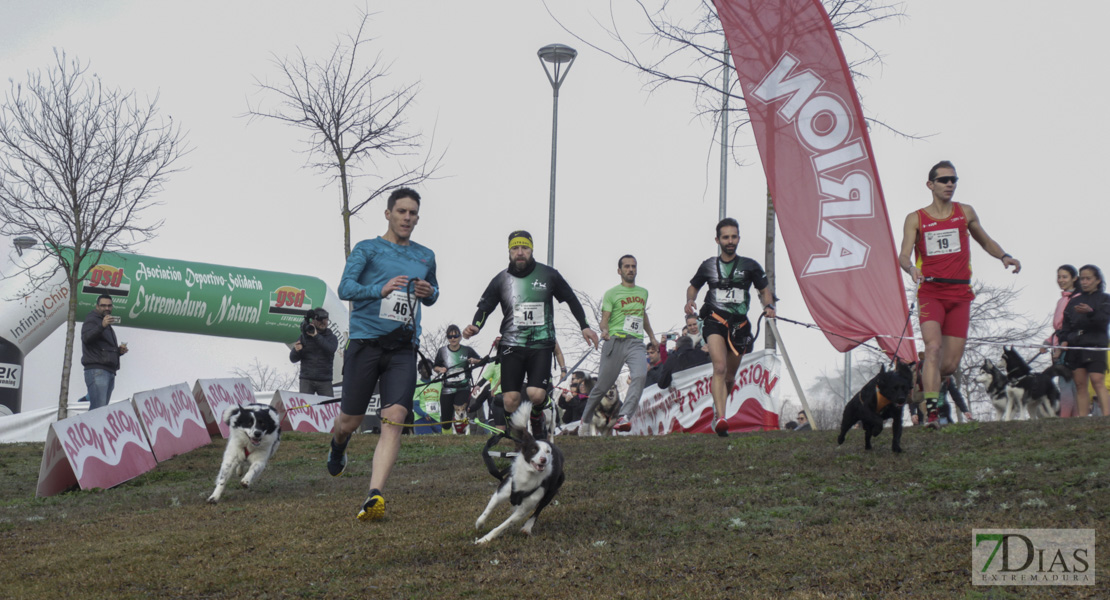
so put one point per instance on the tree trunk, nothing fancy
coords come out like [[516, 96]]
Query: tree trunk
[[346, 191], [67, 360]]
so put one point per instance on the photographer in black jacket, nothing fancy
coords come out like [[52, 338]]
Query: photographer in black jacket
[[100, 352], [315, 350]]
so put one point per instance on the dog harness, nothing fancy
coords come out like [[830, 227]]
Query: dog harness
[[881, 401], [739, 333]]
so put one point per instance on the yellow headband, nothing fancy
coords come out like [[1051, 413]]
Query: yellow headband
[[520, 241]]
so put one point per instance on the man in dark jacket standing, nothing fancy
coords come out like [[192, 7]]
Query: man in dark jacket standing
[[100, 352], [315, 350]]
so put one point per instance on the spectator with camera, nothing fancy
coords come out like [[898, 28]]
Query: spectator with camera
[[315, 350], [100, 352]]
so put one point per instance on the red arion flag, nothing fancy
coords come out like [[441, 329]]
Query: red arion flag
[[820, 168]]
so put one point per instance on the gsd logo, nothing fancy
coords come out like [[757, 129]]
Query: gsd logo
[[289, 300], [106, 279]]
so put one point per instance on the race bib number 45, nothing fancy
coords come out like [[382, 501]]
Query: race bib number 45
[[945, 241], [634, 324], [395, 307], [528, 314]]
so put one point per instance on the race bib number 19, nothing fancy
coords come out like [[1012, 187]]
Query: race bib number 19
[[528, 314], [395, 307], [945, 241]]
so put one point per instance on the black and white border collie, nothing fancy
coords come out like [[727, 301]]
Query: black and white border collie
[[532, 481], [255, 436]]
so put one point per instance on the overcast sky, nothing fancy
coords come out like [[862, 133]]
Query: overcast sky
[[1009, 91]]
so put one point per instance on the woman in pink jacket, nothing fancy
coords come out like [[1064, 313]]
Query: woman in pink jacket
[[1066, 278]]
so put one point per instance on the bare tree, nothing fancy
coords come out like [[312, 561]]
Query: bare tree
[[79, 166], [431, 340], [353, 118], [682, 43], [265, 378], [829, 387], [572, 344]]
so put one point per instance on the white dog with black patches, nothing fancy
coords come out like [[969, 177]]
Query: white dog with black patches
[[532, 481], [255, 436]]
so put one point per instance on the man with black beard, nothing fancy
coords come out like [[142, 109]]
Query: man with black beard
[[724, 312], [525, 291]]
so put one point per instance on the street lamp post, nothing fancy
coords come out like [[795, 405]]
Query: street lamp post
[[560, 57]]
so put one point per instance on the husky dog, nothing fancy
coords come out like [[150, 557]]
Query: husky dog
[[880, 399], [1005, 397], [1042, 397], [531, 482], [255, 436], [605, 415], [1018, 388]]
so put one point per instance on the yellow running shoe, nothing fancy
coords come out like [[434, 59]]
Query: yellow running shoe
[[374, 507]]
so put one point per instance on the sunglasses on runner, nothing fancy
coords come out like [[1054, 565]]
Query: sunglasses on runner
[[454, 337], [946, 179]]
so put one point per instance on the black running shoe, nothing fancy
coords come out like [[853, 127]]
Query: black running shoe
[[337, 459]]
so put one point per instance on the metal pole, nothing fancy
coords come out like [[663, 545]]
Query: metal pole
[[724, 136], [793, 376], [557, 55], [847, 376], [769, 260], [554, 151]]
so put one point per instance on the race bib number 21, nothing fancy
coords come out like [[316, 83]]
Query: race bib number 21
[[728, 296]]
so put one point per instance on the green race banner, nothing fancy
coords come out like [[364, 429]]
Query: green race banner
[[190, 297]]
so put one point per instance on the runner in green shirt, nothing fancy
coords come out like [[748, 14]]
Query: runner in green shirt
[[624, 321]]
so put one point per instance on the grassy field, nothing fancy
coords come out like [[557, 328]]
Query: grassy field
[[767, 515]]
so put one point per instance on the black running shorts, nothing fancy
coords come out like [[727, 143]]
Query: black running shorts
[[1093, 361], [518, 363], [740, 331], [459, 398], [367, 366]]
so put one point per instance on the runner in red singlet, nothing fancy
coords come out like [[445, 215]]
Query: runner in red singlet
[[939, 234]]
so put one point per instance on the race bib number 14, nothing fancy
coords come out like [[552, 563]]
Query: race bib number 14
[[528, 314]]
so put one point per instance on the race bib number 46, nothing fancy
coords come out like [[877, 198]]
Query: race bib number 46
[[528, 314], [395, 307], [945, 241]]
